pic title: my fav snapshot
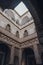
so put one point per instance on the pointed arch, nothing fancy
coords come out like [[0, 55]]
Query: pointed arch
[[26, 19], [25, 33], [17, 34], [8, 27], [28, 57], [9, 13]]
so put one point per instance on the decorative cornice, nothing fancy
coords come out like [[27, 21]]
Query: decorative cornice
[[30, 43], [19, 43], [20, 40], [9, 40]]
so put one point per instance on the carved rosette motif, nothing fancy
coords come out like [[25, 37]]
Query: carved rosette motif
[[22, 44], [30, 42]]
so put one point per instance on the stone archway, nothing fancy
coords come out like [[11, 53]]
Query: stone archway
[[32, 9], [28, 57], [4, 53]]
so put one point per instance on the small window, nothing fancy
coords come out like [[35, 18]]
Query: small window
[[8, 28], [25, 33], [17, 34], [17, 21]]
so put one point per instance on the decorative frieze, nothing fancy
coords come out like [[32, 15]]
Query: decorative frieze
[[4, 37], [30, 42], [22, 44]]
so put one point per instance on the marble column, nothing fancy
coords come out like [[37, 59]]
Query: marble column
[[37, 55], [12, 56], [20, 57]]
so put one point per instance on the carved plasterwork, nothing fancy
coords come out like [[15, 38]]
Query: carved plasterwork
[[17, 44], [30, 42], [10, 40]]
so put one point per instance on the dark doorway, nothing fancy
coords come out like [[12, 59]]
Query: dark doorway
[[28, 57], [42, 57], [16, 60], [4, 53]]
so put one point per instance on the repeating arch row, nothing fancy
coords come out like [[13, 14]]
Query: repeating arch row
[[10, 13], [8, 28]]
